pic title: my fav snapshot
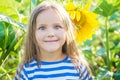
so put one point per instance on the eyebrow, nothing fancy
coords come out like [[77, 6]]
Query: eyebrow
[[44, 24], [58, 23]]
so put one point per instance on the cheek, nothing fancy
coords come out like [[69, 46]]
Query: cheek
[[62, 35], [38, 36]]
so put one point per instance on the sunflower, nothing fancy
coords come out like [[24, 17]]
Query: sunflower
[[84, 20]]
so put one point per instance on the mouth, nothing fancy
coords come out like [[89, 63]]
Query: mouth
[[51, 41]]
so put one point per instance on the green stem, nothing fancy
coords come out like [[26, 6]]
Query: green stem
[[4, 55], [6, 37], [107, 44], [5, 72], [5, 43]]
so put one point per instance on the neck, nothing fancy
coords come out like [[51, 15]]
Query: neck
[[55, 56]]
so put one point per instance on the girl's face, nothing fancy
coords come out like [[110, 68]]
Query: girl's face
[[50, 32]]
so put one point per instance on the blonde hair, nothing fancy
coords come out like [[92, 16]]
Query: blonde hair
[[31, 48]]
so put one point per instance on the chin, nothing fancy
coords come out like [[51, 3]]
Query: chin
[[52, 50]]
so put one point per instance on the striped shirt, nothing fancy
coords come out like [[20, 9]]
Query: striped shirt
[[59, 70]]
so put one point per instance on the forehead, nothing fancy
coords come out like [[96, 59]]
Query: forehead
[[48, 15]]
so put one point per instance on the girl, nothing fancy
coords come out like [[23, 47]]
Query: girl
[[51, 52]]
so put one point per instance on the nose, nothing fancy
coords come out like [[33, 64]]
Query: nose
[[51, 33]]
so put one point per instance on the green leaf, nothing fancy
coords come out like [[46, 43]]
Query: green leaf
[[116, 76], [34, 2], [18, 44], [18, 0], [8, 39], [8, 36], [106, 9], [10, 47], [9, 20], [9, 8], [118, 4], [101, 51], [2, 34], [16, 9], [104, 74]]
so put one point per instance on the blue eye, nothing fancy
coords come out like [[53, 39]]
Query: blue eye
[[57, 27], [42, 28]]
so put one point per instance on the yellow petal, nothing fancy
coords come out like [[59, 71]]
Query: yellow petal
[[85, 21], [78, 15], [72, 14], [83, 18], [87, 6], [79, 37], [93, 15], [70, 6]]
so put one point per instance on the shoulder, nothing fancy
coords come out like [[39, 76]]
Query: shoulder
[[83, 70], [85, 73], [22, 70]]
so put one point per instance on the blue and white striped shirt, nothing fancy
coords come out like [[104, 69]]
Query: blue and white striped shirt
[[59, 70]]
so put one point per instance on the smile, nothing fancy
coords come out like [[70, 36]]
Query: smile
[[51, 41]]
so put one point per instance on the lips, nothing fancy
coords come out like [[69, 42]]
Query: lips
[[51, 41]]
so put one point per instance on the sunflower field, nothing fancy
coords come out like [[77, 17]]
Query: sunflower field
[[97, 24]]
